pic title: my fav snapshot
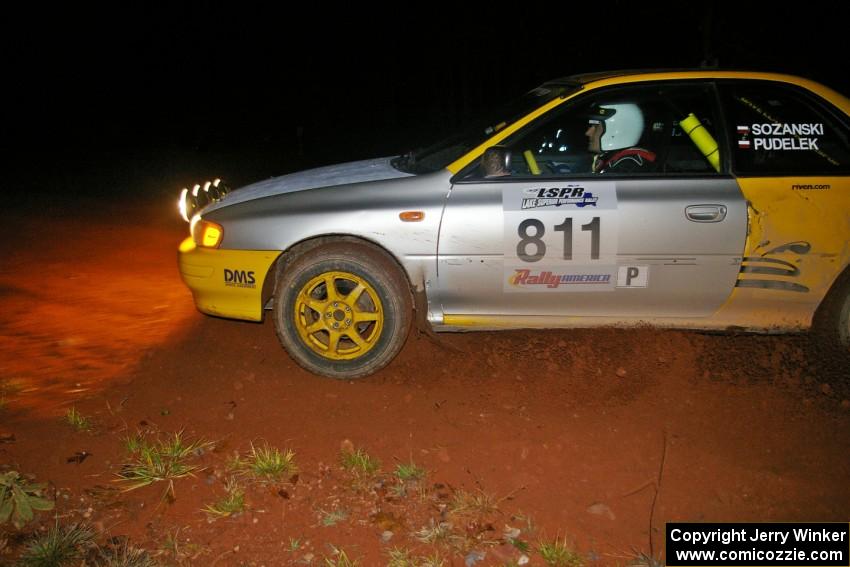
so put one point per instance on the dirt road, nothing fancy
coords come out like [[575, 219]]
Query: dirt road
[[562, 435]]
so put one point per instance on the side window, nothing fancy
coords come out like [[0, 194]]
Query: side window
[[644, 130], [779, 130]]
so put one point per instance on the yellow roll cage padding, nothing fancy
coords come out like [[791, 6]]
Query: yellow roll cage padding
[[704, 142], [532, 162]]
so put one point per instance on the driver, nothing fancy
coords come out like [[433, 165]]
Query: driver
[[613, 133], [495, 162]]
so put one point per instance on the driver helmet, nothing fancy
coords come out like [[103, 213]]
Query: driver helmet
[[623, 123]]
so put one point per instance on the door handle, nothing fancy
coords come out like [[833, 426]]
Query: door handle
[[705, 213]]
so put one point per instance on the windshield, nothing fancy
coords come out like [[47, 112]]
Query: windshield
[[444, 152]]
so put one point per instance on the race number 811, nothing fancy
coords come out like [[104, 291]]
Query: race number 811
[[535, 240]]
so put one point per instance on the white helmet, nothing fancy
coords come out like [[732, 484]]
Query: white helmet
[[623, 125]]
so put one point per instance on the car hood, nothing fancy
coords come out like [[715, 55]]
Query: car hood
[[328, 176]]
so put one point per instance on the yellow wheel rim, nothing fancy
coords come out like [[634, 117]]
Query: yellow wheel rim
[[339, 316]]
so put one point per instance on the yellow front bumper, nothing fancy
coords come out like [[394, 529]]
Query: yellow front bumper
[[226, 283]]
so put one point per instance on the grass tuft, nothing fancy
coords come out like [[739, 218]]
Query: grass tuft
[[164, 460], [409, 472], [134, 443], [435, 533], [124, 555], [360, 463], [268, 463], [58, 546], [230, 505], [401, 557], [340, 559], [77, 420], [431, 561], [558, 553], [333, 517], [469, 503]]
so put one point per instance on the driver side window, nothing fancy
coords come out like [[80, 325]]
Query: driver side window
[[645, 130]]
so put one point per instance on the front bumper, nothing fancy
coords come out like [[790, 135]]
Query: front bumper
[[226, 283]]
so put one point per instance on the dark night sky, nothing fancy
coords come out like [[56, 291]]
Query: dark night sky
[[106, 94]]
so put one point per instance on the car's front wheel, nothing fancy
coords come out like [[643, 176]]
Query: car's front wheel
[[342, 310]]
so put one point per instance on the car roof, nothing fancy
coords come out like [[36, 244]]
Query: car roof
[[682, 73], [605, 78]]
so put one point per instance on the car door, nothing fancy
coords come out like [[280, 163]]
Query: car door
[[556, 238]]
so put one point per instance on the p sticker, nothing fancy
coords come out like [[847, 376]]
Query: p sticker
[[633, 276]]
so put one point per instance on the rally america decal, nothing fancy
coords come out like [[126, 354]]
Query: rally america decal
[[780, 136], [525, 279], [560, 237]]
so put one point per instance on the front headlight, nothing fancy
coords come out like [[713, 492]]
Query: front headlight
[[199, 197], [206, 234]]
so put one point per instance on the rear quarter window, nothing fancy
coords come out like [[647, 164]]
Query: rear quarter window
[[779, 130]]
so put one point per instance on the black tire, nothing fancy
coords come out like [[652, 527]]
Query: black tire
[[832, 320], [346, 264], [843, 322]]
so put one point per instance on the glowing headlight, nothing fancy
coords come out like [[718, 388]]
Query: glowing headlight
[[199, 197], [205, 233], [184, 205]]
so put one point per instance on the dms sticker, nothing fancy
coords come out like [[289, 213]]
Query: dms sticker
[[239, 278]]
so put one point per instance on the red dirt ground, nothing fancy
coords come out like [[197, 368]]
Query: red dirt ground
[[563, 431]]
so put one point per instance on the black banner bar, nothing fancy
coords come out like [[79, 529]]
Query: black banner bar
[[761, 544]]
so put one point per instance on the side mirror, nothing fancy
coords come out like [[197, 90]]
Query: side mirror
[[496, 162]]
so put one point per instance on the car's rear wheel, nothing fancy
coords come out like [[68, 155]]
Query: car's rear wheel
[[342, 310], [832, 320], [844, 322]]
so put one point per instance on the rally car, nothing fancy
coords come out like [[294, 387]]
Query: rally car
[[686, 199]]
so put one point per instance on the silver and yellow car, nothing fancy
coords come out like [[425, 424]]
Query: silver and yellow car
[[687, 199]]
